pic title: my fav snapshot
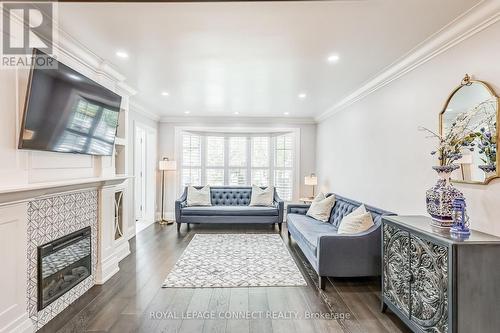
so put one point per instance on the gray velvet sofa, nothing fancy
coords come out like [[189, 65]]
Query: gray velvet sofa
[[333, 254], [230, 204]]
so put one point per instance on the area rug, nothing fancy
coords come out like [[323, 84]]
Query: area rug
[[235, 260]]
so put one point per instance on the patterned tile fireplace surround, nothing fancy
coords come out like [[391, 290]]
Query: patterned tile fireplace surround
[[49, 219]]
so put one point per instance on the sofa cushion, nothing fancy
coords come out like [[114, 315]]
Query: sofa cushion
[[262, 197], [357, 221], [321, 207], [231, 211], [310, 229], [198, 197]]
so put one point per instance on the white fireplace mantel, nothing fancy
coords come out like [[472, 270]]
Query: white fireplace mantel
[[26, 192], [14, 240]]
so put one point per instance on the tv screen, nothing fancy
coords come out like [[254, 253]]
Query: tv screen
[[67, 112]]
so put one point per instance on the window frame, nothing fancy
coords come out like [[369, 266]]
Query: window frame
[[247, 132]]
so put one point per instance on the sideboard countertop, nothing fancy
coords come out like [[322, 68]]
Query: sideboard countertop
[[422, 224]]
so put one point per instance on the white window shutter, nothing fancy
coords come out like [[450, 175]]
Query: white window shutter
[[229, 159]]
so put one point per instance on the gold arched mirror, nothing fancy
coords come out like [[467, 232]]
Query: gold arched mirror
[[471, 112]]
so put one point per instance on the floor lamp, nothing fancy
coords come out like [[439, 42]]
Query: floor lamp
[[165, 165]]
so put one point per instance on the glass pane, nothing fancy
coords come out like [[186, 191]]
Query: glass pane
[[215, 176], [215, 151], [191, 150], [284, 151], [280, 158], [237, 177], [260, 177], [191, 176], [288, 159], [283, 181], [260, 152], [237, 151]]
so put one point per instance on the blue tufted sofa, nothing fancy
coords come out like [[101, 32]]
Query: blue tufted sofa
[[229, 205], [333, 254]]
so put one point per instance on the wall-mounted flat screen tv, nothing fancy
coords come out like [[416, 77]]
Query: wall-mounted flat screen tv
[[67, 112]]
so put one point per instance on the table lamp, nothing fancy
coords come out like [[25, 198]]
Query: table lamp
[[311, 180]]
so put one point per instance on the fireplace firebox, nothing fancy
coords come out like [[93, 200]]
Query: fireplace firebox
[[62, 264]]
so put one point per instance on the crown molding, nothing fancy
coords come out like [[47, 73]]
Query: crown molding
[[65, 44], [478, 18], [238, 120], [124, 87], [135, 107]]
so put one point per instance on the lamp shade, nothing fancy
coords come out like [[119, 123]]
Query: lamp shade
[[311, 180], [167, 165]]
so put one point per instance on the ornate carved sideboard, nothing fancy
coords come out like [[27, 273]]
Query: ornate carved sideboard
[[435, 283]]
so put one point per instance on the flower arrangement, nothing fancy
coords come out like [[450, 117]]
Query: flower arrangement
[[487, 146], [487, 143], [458, 137]]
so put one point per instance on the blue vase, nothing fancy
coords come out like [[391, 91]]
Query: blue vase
[[441, 196]]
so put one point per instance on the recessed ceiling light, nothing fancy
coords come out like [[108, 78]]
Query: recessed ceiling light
[[332, 58], [236, 113], [449, 109], [122, 54], [187, 112], [286, 113], [165, 93], [302, 95]]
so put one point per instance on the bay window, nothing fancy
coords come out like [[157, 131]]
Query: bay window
[[239, 159]]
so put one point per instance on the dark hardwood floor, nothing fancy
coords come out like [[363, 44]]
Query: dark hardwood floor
[[133, 300]]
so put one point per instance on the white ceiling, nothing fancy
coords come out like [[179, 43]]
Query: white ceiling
[[254, 58]]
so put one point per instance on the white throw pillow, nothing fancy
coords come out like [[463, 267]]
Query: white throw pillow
[[357, 221], [262, 197], [321, 207], [199, 197]]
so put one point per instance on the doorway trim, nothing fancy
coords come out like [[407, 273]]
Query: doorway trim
[[149, 174]]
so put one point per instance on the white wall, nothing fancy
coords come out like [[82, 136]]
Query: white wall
[[167, 148], [372, 150]]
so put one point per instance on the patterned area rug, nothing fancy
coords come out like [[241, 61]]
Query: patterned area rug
[[235, 260]]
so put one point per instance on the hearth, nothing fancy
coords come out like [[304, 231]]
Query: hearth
[[62, 264]]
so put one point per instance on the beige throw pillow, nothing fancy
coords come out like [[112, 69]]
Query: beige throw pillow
[[262, 197], [321, 207], [357, 221], [199, 197]]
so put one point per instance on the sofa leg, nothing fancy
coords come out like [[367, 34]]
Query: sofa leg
[[321, 282], [279, 227], [178, 227], [288, 232]]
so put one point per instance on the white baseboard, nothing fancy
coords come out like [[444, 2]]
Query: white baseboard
[[122, 250], [108, 268]]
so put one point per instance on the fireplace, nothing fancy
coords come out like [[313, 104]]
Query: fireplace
[[62, 264]]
